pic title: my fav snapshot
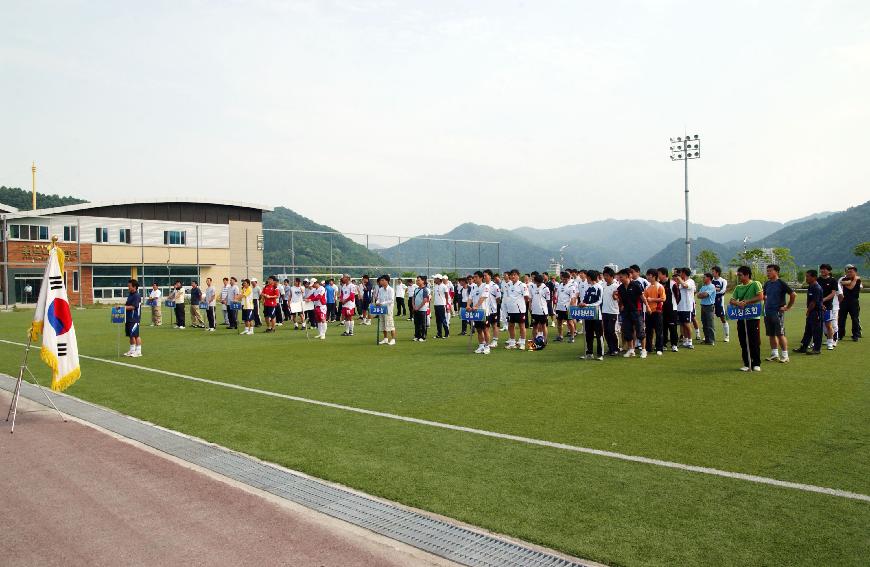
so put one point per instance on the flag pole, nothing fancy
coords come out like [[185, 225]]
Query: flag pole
[[13, 407]]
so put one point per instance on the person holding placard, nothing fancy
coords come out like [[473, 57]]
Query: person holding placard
[[154, 298], [593, 295], [178, 297], [567, 295], [386, 297], [775, 292], [669, 311], [610, 310], [232, 297], [815, 310], [132, 318], [721, 285], [478, 300], [748, 292]]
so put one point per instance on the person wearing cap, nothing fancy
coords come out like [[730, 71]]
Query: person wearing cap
[[385, 297], [849, 306], [317, 297], [255, 295], [439, 296]]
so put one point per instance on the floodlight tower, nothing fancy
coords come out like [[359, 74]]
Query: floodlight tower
[[684, 148]]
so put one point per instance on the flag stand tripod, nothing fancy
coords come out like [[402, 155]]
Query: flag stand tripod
[[13, 407]]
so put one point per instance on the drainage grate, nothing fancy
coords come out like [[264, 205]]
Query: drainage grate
[[435, 536]]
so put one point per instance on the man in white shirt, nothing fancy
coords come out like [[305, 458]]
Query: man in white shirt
[[385, 296], [582, 282], [686, 305], [516, 293], [411, 287], [540, 298], [400, 298], [225, 300], [347, 299], [721, 285], [282, 312], [439, 300], [610, 310], [255, 295], [232, 294], [502, 313], [463, 301], [478, 299], [566, 296], [154, 300], [292, 302], [494, 291]]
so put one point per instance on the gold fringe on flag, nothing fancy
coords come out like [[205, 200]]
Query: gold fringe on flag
[[64, 382]]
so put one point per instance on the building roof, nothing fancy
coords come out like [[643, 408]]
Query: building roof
[[7, 209], [67, 209]]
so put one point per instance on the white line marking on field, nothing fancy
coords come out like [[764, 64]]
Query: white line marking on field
[[506, 436]]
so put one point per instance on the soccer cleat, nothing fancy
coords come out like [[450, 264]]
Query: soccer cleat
[[773, 357], [643, 353], [814, 352], [628, 354], [392, 342], [129, 353], [384, 341], [600, 357], [136, 354], [321, 337], [486, 350], [745, 369], [558, 339], [798, 349], [756, 369], [521, 346], [674, 348], [727, 338], [492, 344], [784, 359], [510, 346], [830, 347], [658, 353]]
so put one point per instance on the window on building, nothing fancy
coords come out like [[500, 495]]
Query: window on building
[[102, 234], [75, 282], [176, 237], [28, 232], [124, 236], [70, 233]]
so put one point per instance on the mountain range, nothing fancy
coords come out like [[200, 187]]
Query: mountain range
[[821, 237]]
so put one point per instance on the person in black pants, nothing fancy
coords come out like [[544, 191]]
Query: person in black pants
[[849, 306], [748, 330], [669, 315], [814, 324], [232, 297], [178, 297], [420, 304]]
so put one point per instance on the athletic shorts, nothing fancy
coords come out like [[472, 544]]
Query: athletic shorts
[[720, 307], [774, 324], [632, 325], [296, 307], [549, 308], [493, 319], [516, 317], [364, 305], [269, 311], [247, 314], [539, 319], [131, 329], [389, 323], [319, 316], [562, 315], [684, 317], [481, 325], [347, 312]]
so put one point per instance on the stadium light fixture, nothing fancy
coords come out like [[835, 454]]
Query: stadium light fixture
[[684, 150]]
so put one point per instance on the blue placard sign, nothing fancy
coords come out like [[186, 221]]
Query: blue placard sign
[[583, 313], [118, 314], [235, 305], [472, 314], [203, 304], [751, 311], [151, 302], [377, 309], [169, 303]]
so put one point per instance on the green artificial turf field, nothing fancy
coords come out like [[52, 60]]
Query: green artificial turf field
[[807, 422]]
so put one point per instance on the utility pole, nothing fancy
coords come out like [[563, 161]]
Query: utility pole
[[33, 183], [684, 148]]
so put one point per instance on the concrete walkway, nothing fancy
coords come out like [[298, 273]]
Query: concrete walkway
[[75, 495]]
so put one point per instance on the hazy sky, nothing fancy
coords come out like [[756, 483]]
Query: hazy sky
[[409, 117]]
